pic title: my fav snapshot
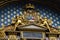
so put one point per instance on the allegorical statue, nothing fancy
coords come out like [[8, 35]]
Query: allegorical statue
[[19, 20], [45, 23]]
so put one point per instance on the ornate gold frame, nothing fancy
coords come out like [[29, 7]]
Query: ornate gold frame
[[21, 20]]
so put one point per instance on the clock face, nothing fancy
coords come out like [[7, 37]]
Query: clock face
[[32, 15], [29, 15], [30, 18]]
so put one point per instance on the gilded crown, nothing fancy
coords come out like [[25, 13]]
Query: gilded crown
[[30, 6]]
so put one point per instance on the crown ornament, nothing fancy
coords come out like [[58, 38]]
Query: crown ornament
[[30, 6]]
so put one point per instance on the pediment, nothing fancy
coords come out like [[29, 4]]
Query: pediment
[[32, 27]]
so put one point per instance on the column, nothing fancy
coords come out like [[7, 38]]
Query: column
[[43, 36], [52, 37], [12, 37], [21, 34], [22, 37], [59, 37]]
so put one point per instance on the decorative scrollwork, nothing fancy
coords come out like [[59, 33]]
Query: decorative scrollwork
[[30, 16]]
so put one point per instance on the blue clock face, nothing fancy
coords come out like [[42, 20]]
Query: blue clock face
[[30, 18]]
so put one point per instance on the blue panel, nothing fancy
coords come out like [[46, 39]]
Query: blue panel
[[32, 34]]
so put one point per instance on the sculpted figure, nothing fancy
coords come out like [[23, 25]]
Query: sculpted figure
[[2, 32], [19, 21], [44, 21]]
